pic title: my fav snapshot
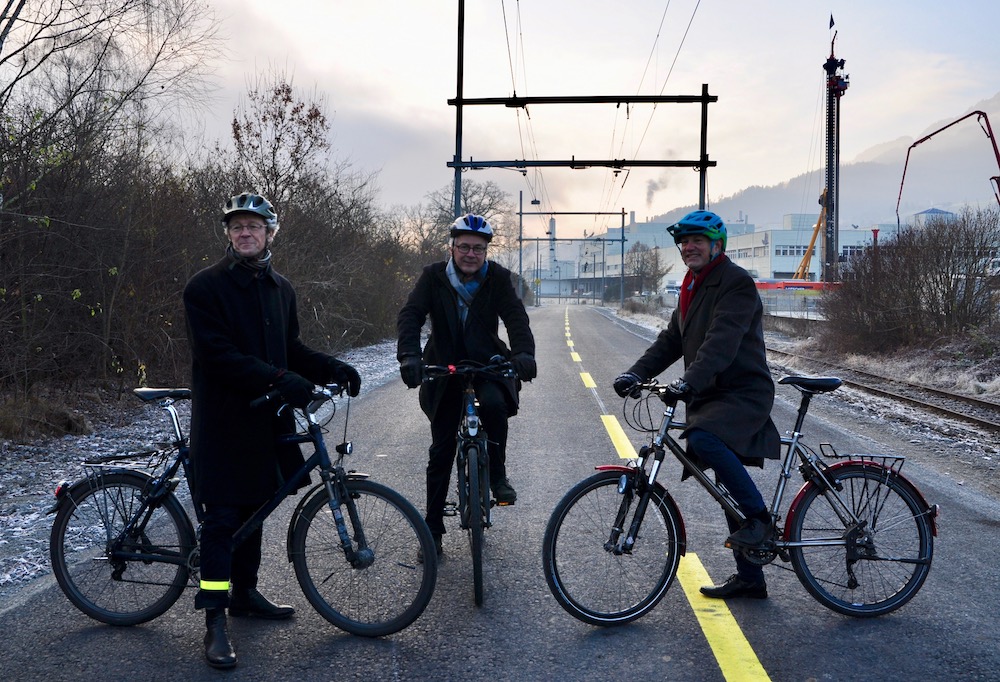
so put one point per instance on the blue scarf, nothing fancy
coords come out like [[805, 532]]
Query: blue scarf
[[466, 290]]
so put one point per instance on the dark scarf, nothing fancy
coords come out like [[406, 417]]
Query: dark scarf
[[693, 280], [259, 264]]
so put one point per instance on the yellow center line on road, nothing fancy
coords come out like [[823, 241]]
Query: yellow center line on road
[[733, 653]]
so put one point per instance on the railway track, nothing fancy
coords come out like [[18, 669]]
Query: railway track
[[982, 413]]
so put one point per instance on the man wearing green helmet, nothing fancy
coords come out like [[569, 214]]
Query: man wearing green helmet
[[717, 329], [244, 335]]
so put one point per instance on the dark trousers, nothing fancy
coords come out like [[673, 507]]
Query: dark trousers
[[493, 413], [220, 561], [729, 470]]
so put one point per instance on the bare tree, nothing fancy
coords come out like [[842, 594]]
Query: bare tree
[[925, 284], [643, 266]]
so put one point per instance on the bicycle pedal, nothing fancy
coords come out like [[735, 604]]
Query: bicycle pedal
[[450, 509], [497, 503]]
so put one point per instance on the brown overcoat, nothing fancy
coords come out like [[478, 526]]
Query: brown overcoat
[[722, 342]]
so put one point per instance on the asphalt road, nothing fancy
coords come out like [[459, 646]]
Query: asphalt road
[[520, 633]]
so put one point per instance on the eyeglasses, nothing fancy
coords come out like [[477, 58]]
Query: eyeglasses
[[255, 227], [478, 249]]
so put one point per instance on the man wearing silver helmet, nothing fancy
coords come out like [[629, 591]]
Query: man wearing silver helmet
[[244, 334]]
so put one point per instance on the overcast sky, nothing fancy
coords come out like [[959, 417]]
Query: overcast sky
[[388, 69]]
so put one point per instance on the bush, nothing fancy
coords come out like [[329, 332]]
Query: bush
[[922, 286]]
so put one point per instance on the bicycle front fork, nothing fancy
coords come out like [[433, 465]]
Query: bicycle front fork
[[338, 496]]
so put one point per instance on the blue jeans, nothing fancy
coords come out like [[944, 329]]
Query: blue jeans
[[729, 470]]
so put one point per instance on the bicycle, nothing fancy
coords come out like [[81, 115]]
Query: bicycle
[[474, 508], [123, 548], [858, 534]]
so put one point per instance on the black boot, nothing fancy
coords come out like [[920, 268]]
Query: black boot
[[218, 649], [252, 604]]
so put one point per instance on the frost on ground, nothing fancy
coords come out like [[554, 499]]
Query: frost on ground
[[29, 472]]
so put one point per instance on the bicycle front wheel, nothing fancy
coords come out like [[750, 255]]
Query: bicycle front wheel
[[476, 516], [587, 578], [375, 599], [88, 528], [872, 569]]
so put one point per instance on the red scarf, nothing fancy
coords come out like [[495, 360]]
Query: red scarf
[[693, 280]]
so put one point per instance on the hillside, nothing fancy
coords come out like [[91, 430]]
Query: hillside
[[951, 170]]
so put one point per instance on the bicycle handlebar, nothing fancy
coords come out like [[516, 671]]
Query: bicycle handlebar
[[321, 394], [498, 366]]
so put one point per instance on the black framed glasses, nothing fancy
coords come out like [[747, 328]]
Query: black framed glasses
[[478, 249]]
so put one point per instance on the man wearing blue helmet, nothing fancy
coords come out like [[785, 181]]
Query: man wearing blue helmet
[[717, 329], [465, 298]]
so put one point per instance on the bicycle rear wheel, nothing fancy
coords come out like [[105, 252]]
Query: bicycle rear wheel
[[378, 599], [880, 566], [114, 590], [589, 580]]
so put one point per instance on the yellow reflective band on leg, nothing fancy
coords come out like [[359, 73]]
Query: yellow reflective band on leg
[[214, 585]]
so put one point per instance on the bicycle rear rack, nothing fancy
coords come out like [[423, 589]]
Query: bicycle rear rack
[[893, 463]]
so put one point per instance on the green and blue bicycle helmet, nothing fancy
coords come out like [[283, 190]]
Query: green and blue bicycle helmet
[[472, 224], [255, 204], [699, 222]]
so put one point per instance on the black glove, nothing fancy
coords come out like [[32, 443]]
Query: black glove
[[294, 388], [625, 385], [345, 375], [411, 369], [524, 365], [681, 389]]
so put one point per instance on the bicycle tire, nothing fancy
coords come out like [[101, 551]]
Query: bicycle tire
[[384, 597], [589, 581], [108, 590], [476, 526], [895, 552]]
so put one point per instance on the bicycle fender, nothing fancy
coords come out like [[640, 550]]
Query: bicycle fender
[[297, 512], [66, 490], [667, 499], [889, 473]]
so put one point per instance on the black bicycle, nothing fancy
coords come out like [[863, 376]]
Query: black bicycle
[[123, 548], [475, 503], [859, 535]]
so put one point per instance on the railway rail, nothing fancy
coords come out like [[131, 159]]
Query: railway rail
[[982, 413]]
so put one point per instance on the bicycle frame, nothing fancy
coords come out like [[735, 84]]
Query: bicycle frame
[[813, 469]]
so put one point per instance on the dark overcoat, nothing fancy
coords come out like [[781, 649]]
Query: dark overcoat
[[243, 328], [450, 342], [722, 342]]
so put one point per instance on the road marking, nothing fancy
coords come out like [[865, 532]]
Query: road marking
[[618, 438], [732, 651]]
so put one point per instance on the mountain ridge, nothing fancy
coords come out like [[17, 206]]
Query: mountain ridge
[[951, 172]]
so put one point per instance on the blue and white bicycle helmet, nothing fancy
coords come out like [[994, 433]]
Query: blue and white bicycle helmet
[[255, 204], [472, 224], [699, 222]]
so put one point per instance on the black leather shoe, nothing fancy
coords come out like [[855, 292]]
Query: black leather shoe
[[504, 492], [438, 544], [752, 533], [735, 586], [219, 650], [252, 604]]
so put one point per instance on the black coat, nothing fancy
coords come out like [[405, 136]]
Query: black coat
[[449, 342], [243, 328], [722, 343]]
